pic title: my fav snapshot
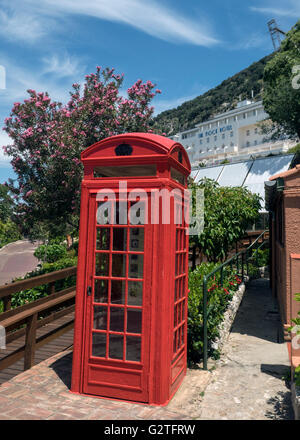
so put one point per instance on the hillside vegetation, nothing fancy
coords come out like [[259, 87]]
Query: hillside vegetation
[[222, 98]]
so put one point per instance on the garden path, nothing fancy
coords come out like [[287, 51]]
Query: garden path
[[247, 383], [16, 259]]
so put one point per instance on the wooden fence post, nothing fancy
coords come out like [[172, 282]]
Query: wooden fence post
[[51, 288], [7, 303], [30, 341]]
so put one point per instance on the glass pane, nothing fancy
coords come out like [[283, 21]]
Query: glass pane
[[135, 293], [136, 266], [102, 265], [134, 321], [136, 239], [183, 287], [124, 171], [174, 342], [100, 317], [116, 346], [99, 345], [177, 239], [117, 319], [118, 265], [117, 292], [120, 239], [137, 212], [104, 213], [101, 291], [103, 235], [133, 349]]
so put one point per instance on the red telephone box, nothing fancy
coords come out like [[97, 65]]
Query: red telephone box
[[130, 338]]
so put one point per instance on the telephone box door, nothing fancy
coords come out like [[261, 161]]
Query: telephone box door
[[118, 289]]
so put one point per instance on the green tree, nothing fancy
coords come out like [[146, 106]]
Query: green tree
[[6, 204], [281, 95], [227, 214]]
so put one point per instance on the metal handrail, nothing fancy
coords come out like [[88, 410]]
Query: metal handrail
[[230, 261]]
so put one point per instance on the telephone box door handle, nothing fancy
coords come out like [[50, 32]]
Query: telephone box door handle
[[89, 290]]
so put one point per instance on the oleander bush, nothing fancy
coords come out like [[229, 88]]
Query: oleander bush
[[218, 298]]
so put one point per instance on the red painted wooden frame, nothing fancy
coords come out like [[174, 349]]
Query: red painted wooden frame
[[156, 377]]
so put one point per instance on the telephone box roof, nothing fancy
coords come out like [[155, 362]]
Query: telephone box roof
[[143, 144]]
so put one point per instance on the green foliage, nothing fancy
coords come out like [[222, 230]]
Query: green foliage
[[29, 295], [296, 321], [218, 299], [227, 214], [50, 253], [281, 98], [295, 149], [8, 232], [222, 98], [261, 256], [6, 204]]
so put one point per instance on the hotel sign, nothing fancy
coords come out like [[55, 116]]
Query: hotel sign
[[216, 130]]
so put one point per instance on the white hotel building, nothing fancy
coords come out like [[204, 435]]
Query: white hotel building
[[233, 135]]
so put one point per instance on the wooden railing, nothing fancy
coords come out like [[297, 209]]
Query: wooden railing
[[26, 319]]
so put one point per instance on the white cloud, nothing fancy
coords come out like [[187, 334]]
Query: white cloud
[[148, 16], [22, 26], [62, 67], [288, 8], [4, 140]]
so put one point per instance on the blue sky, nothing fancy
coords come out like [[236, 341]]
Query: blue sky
[[185, 47]]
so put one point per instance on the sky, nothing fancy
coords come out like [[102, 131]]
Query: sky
[[184, 47]]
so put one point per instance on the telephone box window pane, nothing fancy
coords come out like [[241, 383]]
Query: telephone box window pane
[[134, 321], [104, 213], [117, 292], [103, 235], [116, 346], [136, 266], [136, 239], [101, 291], [118, 265], [135, 293], [125, 171], [177, 176], [100, 318], [116, 319], [119, 239], [99, 345], [133, 349], [102, 265], [137, 213]]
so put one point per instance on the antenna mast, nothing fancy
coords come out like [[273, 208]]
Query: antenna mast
[[275, 33]]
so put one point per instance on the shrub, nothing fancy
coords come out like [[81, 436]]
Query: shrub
[[218, 299], [50, 253], [227, 213]]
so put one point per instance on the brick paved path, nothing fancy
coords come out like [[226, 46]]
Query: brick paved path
[[43, 393]]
